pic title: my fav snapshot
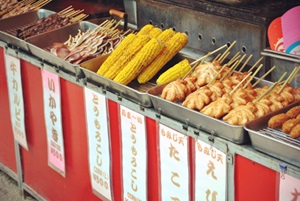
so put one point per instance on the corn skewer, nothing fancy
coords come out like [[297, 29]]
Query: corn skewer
[[262, 77]]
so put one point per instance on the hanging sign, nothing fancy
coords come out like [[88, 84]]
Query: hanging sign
[[174, 164], [289, 188], [134, 155], [53, 121], [99, 147], [15, 91], [210, 172]]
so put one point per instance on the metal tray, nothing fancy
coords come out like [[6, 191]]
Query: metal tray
[[134, 91], [216, 127], [279, 146], [37, 44], [285, 63], [16, 22]]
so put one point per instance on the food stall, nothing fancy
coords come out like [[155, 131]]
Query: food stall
[[68, 133]]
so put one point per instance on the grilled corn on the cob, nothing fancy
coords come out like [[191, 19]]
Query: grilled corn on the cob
[[145, 29], [111, 59], [128, 54], [142, 59], [155, 32], [166, 35], [177, 71], [172, 47]]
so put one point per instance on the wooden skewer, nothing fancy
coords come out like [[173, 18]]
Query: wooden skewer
[[218, 73], [281, 88], [254, 66], [239, 84], [231, 69], [221, 60], [224, 55], [43, 3], [294, 74], [265, 93], [234, 58], [216, 58], [245, 63], [262, 77], [62, 11], [257, 70]]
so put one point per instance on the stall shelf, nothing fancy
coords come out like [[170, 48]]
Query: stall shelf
[[8, 162], [246, 167]]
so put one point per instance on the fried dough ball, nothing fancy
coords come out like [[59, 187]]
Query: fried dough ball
[[295, 131], [289, 125], [277, 120], [293, 112]]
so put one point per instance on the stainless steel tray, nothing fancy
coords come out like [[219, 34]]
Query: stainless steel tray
[[134, 91], [217, 127], [279, 146], [16, 22], [37, 44]]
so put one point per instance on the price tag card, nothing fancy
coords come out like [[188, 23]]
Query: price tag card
[[289, 188], [99, 146], [210, 172], [53, 121], [134, 155], [16, 103], [174, 164]]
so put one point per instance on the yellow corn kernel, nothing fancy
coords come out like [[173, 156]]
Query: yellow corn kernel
[[145, 29], [142, 59], [177, 71], [111, 59], [172, 47], [128, 54], [155, 32], [166, 35]]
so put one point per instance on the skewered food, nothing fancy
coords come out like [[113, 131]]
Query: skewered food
[[289, 124], [241, 114], [198, 99], [277, 120], [218, 108]]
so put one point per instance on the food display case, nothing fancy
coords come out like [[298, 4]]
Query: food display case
[[120, 142]]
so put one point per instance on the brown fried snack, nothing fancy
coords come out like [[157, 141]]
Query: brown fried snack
[[289, 125], [277, 120], [293, 112], [295, 131]]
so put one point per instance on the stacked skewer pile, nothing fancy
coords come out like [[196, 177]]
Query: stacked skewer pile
[[11, 8], [219, 92], [86, 45]]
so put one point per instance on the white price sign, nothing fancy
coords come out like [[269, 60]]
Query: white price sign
[[174, 164], [289, 188], [16, 103], [134, 155], [53, 121], [99, 146], [210, 172]]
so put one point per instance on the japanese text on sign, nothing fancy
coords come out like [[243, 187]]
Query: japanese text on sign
[[99, 149], [53, 121], [210, 172], [134, 154], [13, 72], [174, 166]]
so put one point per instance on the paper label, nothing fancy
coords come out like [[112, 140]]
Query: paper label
[[53, 121], [289, 188], [210, 173], [174, 164], [99, 146], [16, 103], [134, 155]]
